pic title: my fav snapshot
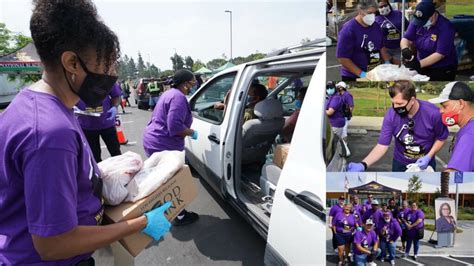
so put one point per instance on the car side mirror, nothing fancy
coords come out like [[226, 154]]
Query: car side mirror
[[286, 99]]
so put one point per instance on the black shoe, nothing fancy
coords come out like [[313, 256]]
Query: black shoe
[[189, 218]]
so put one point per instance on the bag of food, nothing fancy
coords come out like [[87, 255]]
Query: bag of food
[[157, 169], [116, 173], [414, 168], [389, 72]]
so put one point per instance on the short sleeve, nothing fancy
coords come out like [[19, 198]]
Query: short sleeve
[[50, 184], [357, 237], [116, 91], [410, 34], [345, 44], [177, 115], [387, 129], [463, 150], [444, 45]]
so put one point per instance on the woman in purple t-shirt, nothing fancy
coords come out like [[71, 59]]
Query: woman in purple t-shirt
[[360, 45], [344, 225], [415, 226], [50, 186]]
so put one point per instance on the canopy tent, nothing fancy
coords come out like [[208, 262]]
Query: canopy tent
[[23, 61], [376, 189], [223, 67], [204, 71]]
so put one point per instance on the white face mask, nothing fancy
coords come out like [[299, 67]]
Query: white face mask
[[384, 11], [428, 24], [387, 220], [369, 19]]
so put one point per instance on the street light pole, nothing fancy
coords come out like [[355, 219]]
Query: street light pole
[[230, 12]]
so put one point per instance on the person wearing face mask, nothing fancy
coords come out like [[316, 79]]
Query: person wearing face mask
[[374, 213], [334, 111], [432, 35], [50, 186], [416, 127], [347, 108], [104, 126], [390, 22], [257, 93], [360, 45], [170, 123], [457, 108], [290, 122], [415, 226], [389, 231]]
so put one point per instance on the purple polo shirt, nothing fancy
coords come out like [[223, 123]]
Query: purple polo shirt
[[345, 224], [438, 38], [367, 206], [335, 210], [347, 98], [411, 217], [172, 115], [391, 26], [45, 177], [337, 119], [366, 240], [462, 157], [98, 123], [375, 215], [357, 210], [390, 231], [427, 129], [361, 45]]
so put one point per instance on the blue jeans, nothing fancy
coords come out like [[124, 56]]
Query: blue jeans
[[361, 259], [416, 246], [153, 100], [384, 245], [398, 166]]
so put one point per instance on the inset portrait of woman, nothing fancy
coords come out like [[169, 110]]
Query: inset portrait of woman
[[445, 222]]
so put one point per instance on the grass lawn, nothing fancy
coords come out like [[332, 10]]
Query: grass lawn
[[464, 213], [375, 102], [457, 7], [431, 227]]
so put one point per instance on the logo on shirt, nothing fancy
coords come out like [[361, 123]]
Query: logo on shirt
[[418, 14], [365, 243], [434, 37]]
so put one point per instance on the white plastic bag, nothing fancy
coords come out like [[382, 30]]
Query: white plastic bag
[[116, 173], [414, 168], [157, 169], [389, 72]]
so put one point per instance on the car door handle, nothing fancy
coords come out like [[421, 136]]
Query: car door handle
[[213, 138], [307, 203]]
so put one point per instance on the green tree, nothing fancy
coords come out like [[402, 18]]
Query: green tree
[[167, 73], [140, 66], [5, 39], [216, 63], [414, 187], [188, 62], [198, 65], [178, 61], [154, 71], [131, 68]]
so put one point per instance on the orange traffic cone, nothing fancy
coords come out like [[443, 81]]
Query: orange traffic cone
[[120, 135]]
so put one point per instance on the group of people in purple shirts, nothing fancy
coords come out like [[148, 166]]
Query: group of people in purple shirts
[[419, 128], [374, 37], [369, 232]]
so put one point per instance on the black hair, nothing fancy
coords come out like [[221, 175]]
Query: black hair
[[260, 90], [71, 25], [302, 92], [441, 207], [406, 88], [181, 76]]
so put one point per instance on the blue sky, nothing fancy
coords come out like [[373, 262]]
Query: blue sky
[[196, 28]]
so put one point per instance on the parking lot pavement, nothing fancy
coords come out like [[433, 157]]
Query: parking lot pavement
[[220, 237], [422, 260], [361, 144]]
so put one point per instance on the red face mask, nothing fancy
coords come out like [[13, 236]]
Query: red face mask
[[450, 118]]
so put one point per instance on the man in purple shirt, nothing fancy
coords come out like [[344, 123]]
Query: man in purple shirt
[[374, 214], [415, 226], [360, 46], [357, 208], [334, 109], [366, 245], [102, 126], [332, 213], [457, 108], [390, 22], [170, 123], [433, 36], [416, 127], [402, 220], [368, 203], [389, 231]]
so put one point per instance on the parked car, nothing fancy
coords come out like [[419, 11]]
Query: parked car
[[284, 205], [141, 93]]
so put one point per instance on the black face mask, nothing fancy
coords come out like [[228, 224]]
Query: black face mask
[[401, 111], [94, 88]]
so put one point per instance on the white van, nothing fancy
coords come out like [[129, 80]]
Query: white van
[[285, 206]]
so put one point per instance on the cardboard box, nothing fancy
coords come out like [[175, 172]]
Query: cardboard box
[[180, 190], [281, 152]]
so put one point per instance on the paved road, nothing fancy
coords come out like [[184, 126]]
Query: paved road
[[361, 144], [220, 237], [443, 260]]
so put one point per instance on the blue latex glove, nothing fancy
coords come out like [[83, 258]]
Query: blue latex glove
[[157, 225], [424, 161], [363, 74], [387, 62], [359, 228], [355, 167], [194, 135], [111, 114]]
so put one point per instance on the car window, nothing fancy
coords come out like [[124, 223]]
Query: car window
[[203, 105], [288, 95]]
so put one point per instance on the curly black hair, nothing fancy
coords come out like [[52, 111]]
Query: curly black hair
[[71, 25]]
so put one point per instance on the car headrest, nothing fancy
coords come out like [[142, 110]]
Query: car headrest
[[268, 109]]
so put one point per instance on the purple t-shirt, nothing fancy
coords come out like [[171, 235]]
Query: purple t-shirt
[[439, 38], [373, 214], [391, 27], [409, 147], [345, 224], [357, 211], [46, 177], [367, 206], [347, 98], [172, 115], [98, 123], [366, 240], [390, 231], [411, 217], [360, 44], [462, 157], [335, 210], [337, 119], [401, 216]]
